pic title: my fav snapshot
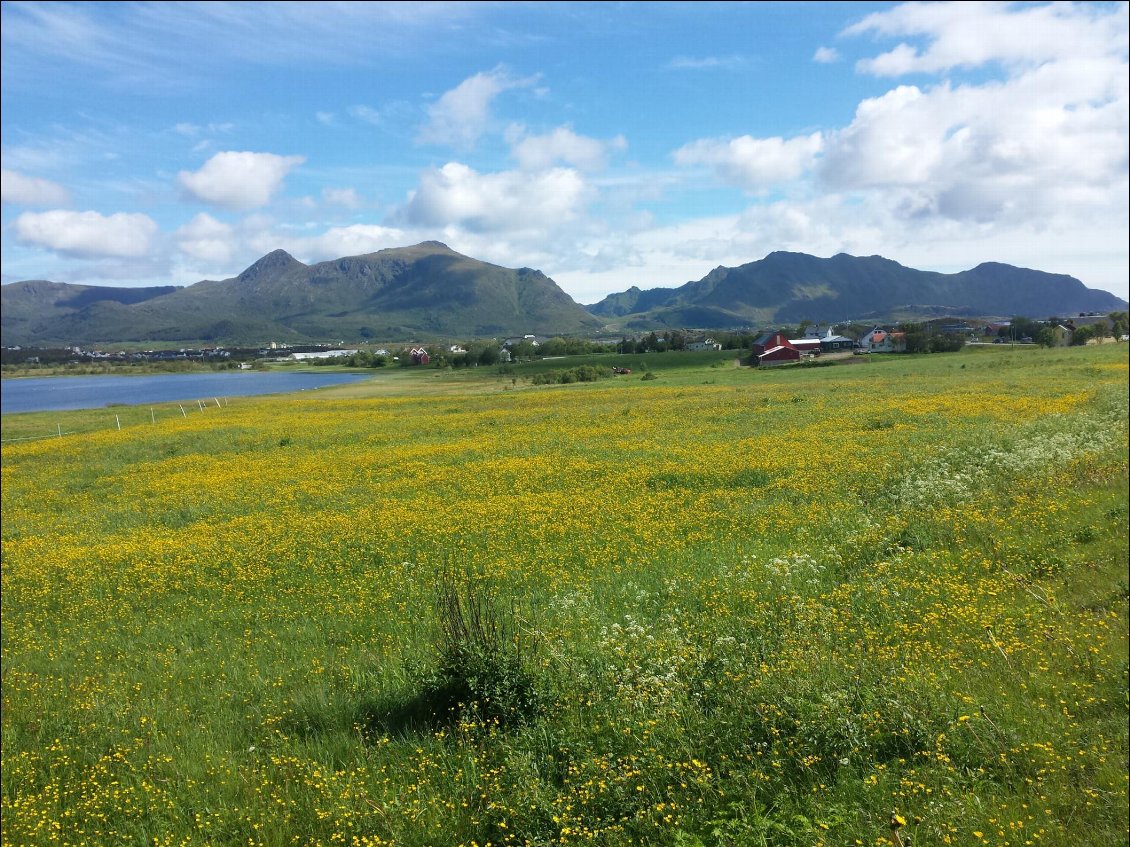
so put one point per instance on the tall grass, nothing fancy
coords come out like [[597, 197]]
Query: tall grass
[[721, 607]]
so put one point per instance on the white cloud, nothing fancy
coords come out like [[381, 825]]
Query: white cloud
[[826, 55], [239, 181], [537, 152], [366, 114], [207, 240], [87, 234], [1048, 143], [21, 190], [191, 130], [974, 34], [864, 225], [341, 241], [461, 115], [754, 164], [345, 197], [706, 63], [496, 202]]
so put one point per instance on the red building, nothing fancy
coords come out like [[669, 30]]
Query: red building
[[779, 355], [768, 341]]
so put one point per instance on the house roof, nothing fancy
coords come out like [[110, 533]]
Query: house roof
[[772, 350]]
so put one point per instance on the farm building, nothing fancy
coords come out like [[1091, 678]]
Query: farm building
[[779, 355], [323, 354], [806, 345], [768, 341], [880, 340], [704, 343], [830, 342], [817, 339]]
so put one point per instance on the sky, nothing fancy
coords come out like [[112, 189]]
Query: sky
[[605, 144]]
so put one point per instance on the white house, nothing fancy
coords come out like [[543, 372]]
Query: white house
[[323, 354], [704, 344], [880, 340]]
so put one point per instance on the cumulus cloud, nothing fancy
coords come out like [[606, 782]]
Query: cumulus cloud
[[207, 240], [239, 181], [974, 34], [1047, 142], [562, 145], [340, 241], [461, 115], [826, 55], [753, 164], [21, 190], [495, 202], [87, 234]]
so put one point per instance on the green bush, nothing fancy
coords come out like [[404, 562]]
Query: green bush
[[481, 671], [581, 373]]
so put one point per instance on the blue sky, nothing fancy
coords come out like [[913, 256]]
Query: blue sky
[[606, 144]]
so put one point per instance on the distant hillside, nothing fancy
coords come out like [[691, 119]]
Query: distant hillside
[[791, 287], [425, 291], [429, 292]]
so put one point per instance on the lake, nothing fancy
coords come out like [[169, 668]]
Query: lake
[[93, 392]]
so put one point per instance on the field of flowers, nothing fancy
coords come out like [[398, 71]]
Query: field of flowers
[[853, 605]]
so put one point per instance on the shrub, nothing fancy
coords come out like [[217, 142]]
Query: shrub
[[581, 373], [481, 671]]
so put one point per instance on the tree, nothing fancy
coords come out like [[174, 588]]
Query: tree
[[1083, 334], [917, 338], [1019, 328], [523, 349], [1121, 324]]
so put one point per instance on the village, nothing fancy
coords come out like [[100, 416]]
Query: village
[[769, 348]]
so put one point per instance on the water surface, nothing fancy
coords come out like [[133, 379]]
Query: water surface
[[56, 393]]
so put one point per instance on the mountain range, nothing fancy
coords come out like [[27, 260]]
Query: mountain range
[[429, 291], [791, 287], [425, 291]]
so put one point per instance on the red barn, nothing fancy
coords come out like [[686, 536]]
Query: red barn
[[778, 355], [806, 345], [768, 341]]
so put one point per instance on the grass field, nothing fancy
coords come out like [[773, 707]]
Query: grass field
[[719, 607]]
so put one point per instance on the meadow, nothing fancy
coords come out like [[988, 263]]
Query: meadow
[[857, 605]]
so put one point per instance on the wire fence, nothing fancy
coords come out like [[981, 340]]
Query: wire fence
[[197, 405]]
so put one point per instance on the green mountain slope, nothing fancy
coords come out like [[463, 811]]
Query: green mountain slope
[[790, 287], [425, 291]]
